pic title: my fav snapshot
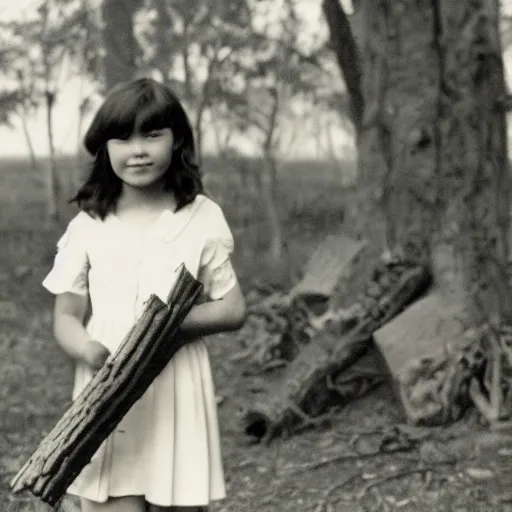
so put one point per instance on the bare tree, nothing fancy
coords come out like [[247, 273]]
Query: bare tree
[[37, 55], [435, 141]]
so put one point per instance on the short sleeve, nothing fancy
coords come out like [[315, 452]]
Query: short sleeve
[[216, 271], [71, 265]]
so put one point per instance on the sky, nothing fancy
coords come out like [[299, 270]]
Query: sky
[[66, 137]]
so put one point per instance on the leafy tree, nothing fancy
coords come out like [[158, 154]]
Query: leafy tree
[[38, 59]]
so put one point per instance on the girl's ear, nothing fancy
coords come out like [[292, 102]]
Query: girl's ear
[[177, 144]]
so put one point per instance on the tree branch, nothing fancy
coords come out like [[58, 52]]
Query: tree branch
[[344, 45]]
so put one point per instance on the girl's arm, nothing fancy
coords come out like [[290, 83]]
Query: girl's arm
[[225, 314], [68, 328]]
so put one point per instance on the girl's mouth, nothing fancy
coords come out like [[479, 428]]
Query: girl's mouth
[[139, 165]]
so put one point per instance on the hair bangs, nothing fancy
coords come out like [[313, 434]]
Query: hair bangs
[[153, 114], [140, 107]]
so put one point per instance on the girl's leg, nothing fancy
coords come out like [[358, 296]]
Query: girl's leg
[[124, 504]]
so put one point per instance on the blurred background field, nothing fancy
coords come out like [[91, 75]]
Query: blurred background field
[[311, 199]]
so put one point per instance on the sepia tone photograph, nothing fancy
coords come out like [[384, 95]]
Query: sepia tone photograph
[[255, 255]]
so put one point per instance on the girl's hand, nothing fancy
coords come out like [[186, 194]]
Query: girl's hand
[[94, 354]]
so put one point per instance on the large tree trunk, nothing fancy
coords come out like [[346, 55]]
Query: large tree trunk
[[434, 139], [121, 47], [436, 68]]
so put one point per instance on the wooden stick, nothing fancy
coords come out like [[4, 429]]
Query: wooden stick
[[400, 474], [143, 354]]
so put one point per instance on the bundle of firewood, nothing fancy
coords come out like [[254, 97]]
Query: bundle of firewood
[[124, 378]]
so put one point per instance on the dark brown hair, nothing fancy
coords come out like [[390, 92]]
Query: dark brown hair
[[140, 105]]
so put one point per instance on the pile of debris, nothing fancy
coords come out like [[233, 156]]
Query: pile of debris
[[355, 320]]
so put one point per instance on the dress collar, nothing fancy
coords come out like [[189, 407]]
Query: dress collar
[[169, 224]]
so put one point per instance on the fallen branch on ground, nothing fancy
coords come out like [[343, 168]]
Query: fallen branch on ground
[[304, 390], [323, 503], [340, 457], [401, 474]]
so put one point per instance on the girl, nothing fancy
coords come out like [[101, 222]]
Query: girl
[[143, 214]]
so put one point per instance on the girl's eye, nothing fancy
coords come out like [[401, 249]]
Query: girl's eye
[[122, 136], [153, 134]]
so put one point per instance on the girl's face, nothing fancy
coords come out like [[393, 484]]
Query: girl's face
[[142, 159]]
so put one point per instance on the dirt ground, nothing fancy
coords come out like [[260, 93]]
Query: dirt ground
[[358, 459], [338, 466]]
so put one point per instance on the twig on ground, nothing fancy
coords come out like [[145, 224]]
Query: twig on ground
[[322, 462], [401, 474], [339, 485], [325, 501], [275, 463], [317, 421], [358, 432], [380, 502], [337, 458]]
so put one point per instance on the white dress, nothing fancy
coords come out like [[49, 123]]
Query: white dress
[[167, 447]]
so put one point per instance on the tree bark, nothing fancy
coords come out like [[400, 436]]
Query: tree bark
[[436, 141], [199, 128], [186, 63], [268, 188], [121, 47], [433, 140], [347, 54]]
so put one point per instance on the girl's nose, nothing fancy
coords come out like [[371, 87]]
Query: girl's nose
[[137, 145]]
